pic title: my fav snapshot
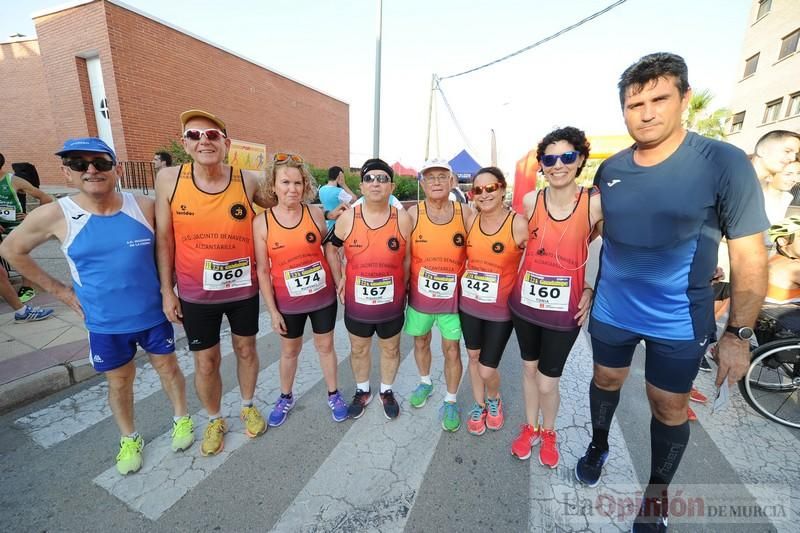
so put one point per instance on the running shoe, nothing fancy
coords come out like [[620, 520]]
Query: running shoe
[[281, 410], [691, 415], [494, 413], [420, 395], [338, 407], [590, 466], [697, 396], [476, 423], [129, 458], [214, 437], [653, 516], [451, 418], [32, 314], [527, 438], [705, 366], [360, 402], [182, 433], [390, 407], [548, 453], [26, 294]]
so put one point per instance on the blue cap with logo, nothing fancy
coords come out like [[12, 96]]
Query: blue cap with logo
[[87, 144]]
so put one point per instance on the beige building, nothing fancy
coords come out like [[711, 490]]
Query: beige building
[[767, 97]]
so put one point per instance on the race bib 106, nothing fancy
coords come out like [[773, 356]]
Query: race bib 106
[[546, 293], [436, 285], [222, 275]]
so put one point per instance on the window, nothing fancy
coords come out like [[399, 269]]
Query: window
[[789, 44], [772, 110], [794, 105], [750, 65], [763, 8], [737, 122]]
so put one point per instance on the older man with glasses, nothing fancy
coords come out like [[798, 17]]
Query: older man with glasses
[[204, 220]]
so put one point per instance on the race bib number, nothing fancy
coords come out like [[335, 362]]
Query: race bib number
[[546, 293], [305, 280], [222, 275], [480, 286], [8, 214], [436, 285], [374, 291]]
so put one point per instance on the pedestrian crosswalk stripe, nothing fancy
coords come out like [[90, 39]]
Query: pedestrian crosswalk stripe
[[166, 477], [60, 421]]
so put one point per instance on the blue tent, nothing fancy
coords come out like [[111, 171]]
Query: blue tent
[[464, 166]]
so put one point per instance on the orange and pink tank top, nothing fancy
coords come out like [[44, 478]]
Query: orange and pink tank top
[[301, 277], [492, 263], [375, 291], [550, 280], [214, 258], [438, 254], [781, 295]]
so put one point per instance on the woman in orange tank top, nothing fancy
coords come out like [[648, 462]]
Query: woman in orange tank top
[[295, 278], [495, 240], [550, 299]]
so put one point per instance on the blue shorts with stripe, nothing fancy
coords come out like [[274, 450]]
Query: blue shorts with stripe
[[108, 351]]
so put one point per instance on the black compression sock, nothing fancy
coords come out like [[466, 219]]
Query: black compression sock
[[667, 444], [602, 404]]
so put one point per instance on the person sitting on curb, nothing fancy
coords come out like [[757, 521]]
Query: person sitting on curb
[[99, 226]]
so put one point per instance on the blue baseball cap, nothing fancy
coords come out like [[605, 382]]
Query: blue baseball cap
[[87, 144]]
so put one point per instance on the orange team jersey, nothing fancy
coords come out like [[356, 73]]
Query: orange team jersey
[[301, 277], [550, 281], [437, 261], [375, 291], [214, 259], [781, 295], [492, 263]]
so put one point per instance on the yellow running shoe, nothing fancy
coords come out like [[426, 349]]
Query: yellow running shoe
[[182, 434], [254, 424], [214, 438], [129, 458]]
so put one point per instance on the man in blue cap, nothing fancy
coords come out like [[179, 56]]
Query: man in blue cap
[[108, 239]]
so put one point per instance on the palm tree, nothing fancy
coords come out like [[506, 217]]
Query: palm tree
[[707, 123]]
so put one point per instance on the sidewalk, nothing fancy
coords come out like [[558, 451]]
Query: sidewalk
[[39, 358]]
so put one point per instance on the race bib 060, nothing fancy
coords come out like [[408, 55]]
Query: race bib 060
[[305, 280], [546, 293], [374, 291], [222, 275], [480, 286]]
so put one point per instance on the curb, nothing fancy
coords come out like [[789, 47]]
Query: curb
[[35, 386]]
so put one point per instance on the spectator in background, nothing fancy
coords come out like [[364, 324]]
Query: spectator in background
[[777, 197], [161, 160], [27, 172], [335, 196], [774, 151]]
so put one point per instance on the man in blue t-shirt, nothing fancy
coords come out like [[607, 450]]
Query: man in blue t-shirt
[[667, 201], [335, 196]]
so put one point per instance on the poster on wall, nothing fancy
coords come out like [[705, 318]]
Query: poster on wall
[[247, 155]]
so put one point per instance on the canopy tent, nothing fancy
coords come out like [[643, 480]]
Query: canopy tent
[[526, 174], [464, 166], [400, 170]]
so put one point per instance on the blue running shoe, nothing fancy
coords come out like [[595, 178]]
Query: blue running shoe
[[653, 516], [32, 314], [338, 407], [590, 466], [281, 410]]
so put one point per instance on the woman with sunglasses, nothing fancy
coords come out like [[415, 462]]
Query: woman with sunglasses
[[495, 240], [295, 278], [550, 299]]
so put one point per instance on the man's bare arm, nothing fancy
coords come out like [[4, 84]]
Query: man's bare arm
[[165, 243], [27, 187]]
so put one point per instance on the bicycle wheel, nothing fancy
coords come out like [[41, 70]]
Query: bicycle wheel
[[772, 383]]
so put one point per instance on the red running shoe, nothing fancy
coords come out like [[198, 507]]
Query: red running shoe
[[548, 453], [697, 396], [691, 414], [527, 438]]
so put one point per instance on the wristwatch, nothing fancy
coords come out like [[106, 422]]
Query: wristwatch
[[744, 333]]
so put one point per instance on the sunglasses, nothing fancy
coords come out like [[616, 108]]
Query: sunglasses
[[79, 164], [490, 188], [282, 157], [212, 134], [567, 158], [380, 178], [436, 179]]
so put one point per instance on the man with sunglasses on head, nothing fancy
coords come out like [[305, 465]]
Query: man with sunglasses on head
[[204, 220], [438, 255], [372, 286], [667, 200], [109, 242]]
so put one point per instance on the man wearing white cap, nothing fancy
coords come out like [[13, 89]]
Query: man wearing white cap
[[438, 255]]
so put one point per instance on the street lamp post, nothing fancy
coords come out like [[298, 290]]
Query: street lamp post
[[376, 134]]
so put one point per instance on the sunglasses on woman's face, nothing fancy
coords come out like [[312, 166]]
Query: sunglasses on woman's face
[[282, 157], [380, 178], [490, 188], [567, 158], [212, 134], [78, 164]]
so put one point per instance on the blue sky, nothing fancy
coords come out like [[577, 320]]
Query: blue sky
[[568, 81]]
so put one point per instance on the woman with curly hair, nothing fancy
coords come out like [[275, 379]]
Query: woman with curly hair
[[295, 278], [550, 299]]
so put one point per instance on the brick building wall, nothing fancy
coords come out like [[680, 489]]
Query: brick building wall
[[152, 72], [26, 126]]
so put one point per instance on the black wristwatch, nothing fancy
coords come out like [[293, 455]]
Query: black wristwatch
[[744, 333]]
